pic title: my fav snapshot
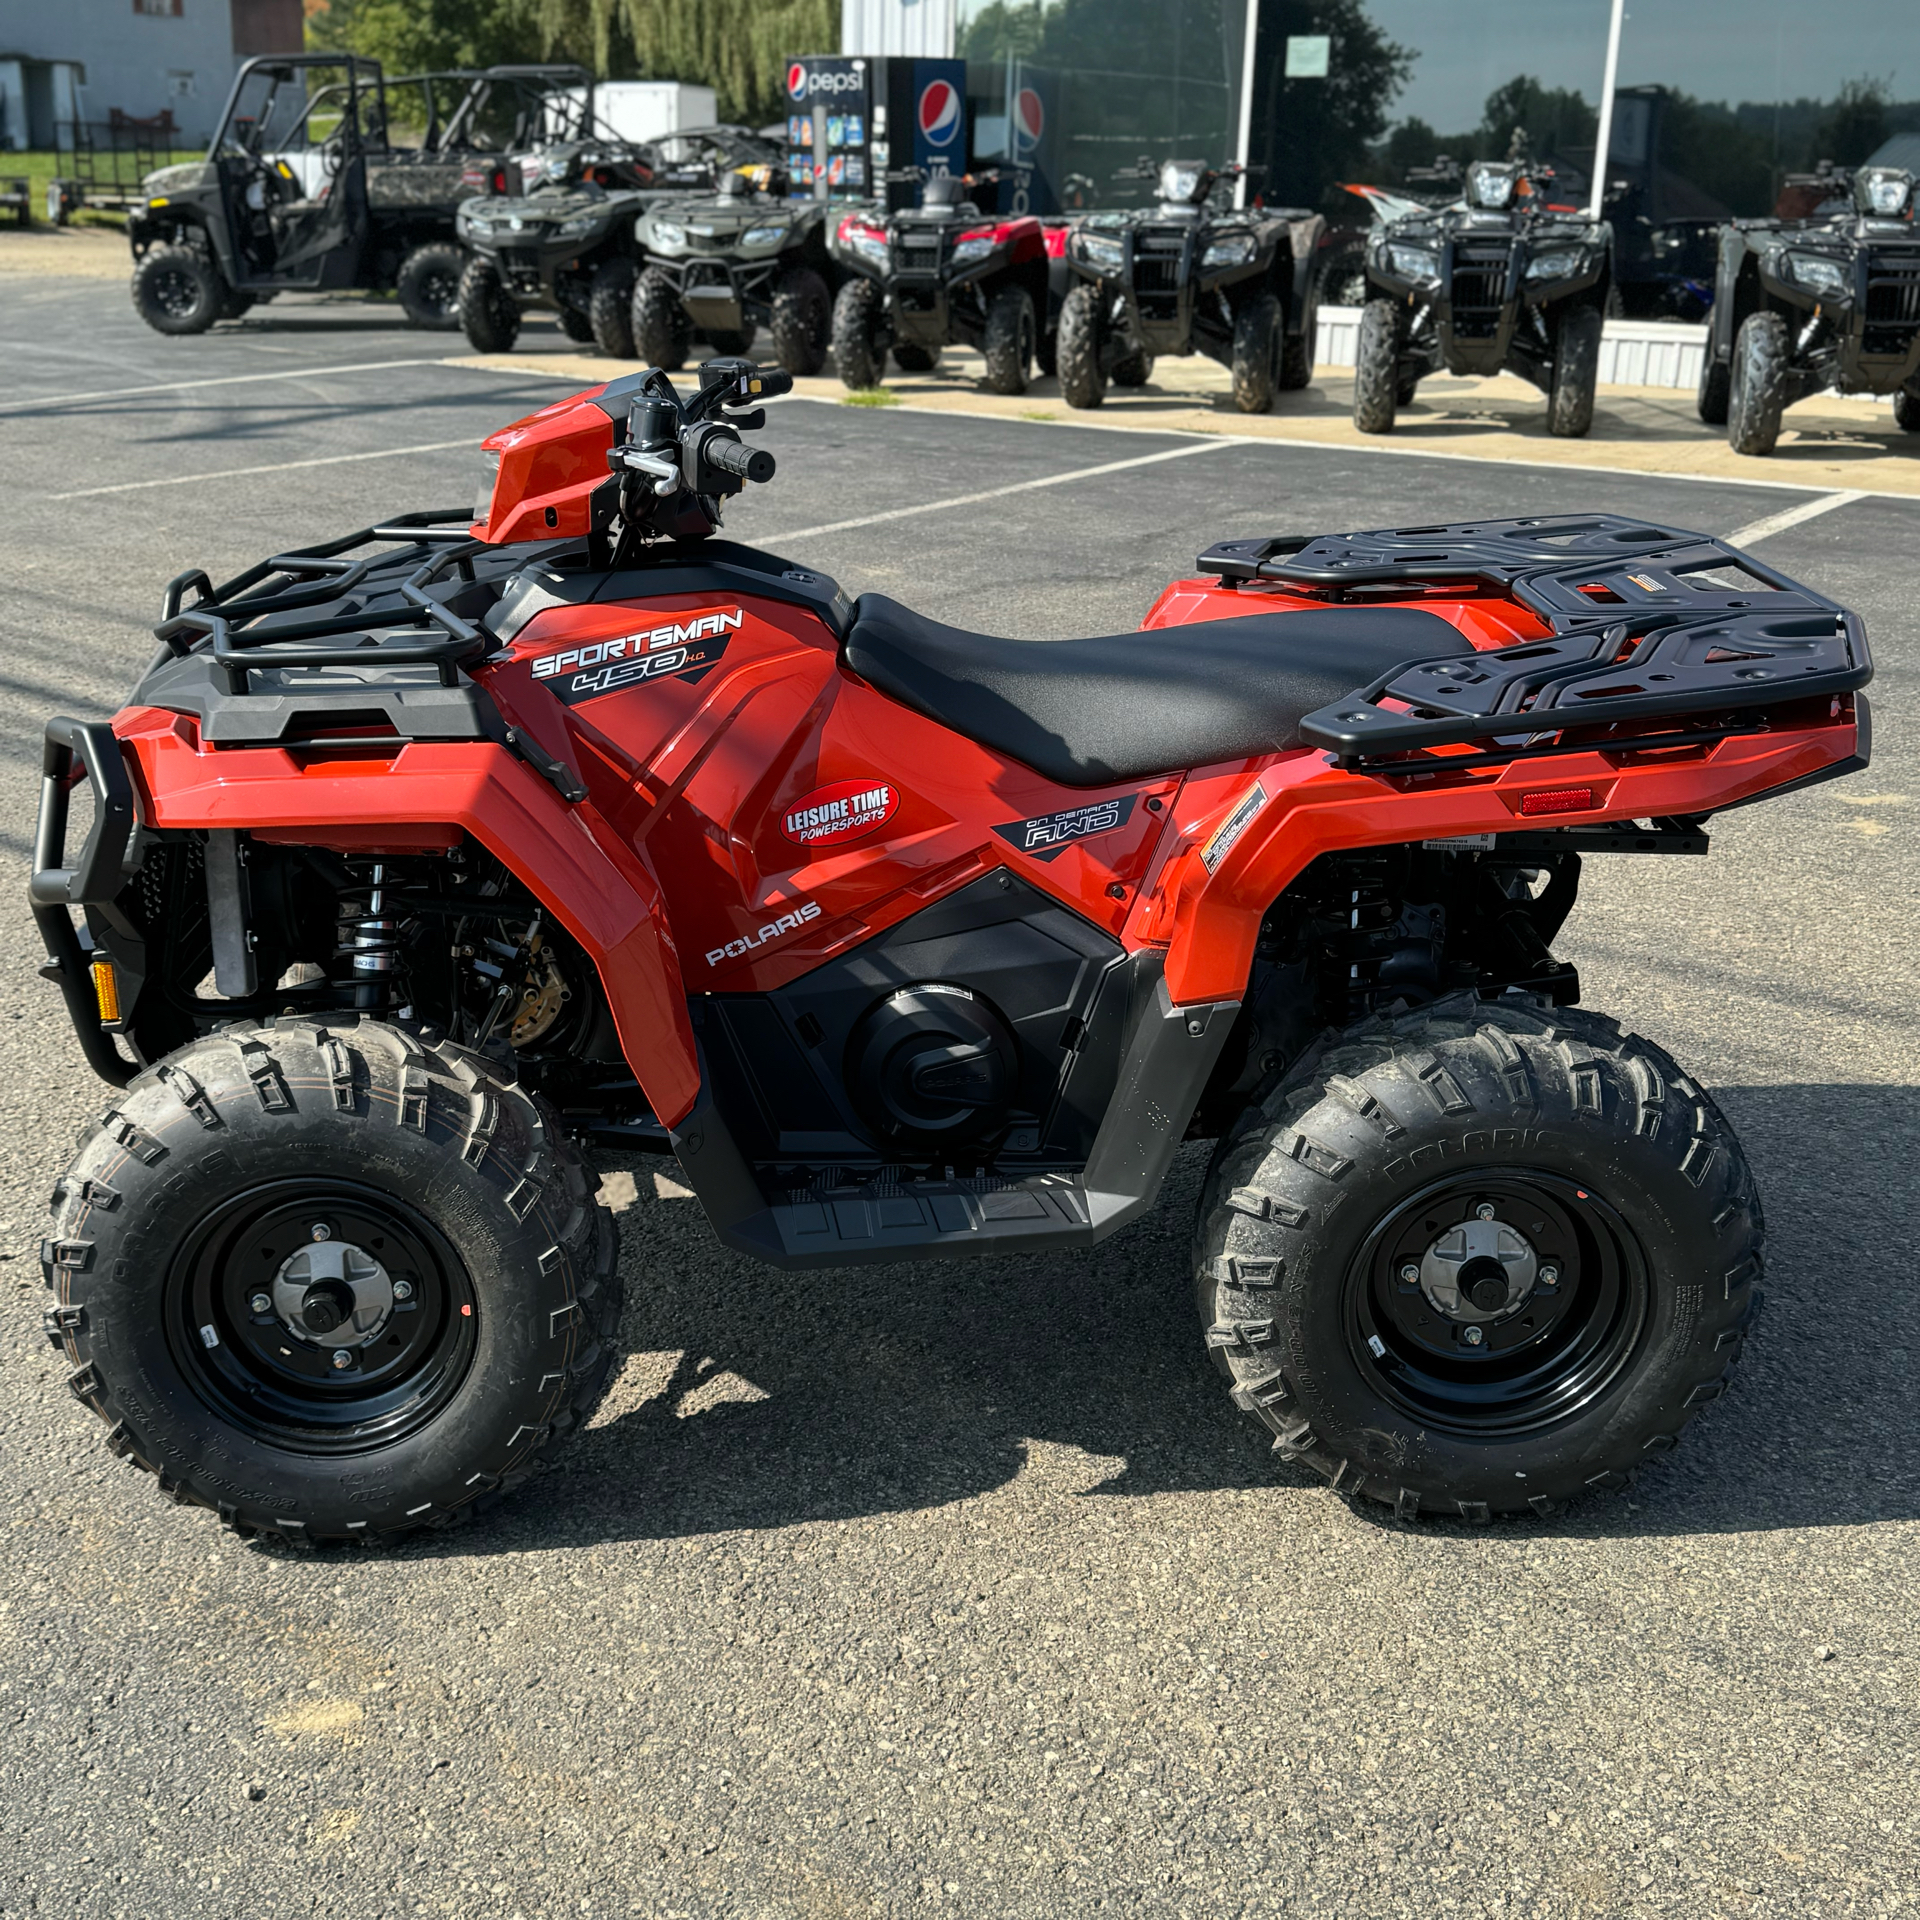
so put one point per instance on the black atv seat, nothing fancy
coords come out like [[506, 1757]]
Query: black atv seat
[[1088, 712]]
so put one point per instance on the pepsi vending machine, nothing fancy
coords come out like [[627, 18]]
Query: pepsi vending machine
[[1012, 110], [852, 121]]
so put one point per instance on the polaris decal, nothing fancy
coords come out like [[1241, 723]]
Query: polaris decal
[[680, 650], [767, 935], [1047, 835], [1232, 827], [847, 810]]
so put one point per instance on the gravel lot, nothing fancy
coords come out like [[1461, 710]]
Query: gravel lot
[[962, 1589]]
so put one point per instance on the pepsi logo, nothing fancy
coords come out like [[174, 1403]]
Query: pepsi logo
[[939, 113], [1029, 117], [797, 81]]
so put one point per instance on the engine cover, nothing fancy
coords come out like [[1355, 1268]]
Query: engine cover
[[932, 1062]]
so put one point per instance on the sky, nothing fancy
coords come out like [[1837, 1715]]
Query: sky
[[1729, 50]]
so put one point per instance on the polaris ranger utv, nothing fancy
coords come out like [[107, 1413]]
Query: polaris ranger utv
[[1498, 282], [1822, 303], [425, 859], [923, 278], [1183, 276]]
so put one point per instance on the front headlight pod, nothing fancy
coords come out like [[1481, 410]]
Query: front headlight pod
[[668, 236], [483, 500], [1819, 275], [1886, 191], [1232, 250], [1556, 266], [1490, 185], [764, 236], [1413, 263], [974, 247], [1100, 251], [578, 227]]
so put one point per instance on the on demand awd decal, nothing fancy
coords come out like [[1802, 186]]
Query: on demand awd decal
[[1047, 835], [681, 650]]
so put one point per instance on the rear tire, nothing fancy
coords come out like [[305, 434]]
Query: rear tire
[[727, 341], [1756, 395], [1906, 411], [177, 290], [610, 308], [1258, 329], [911, 359], [859, 343], [428, 284], [576, 325], [489, 314], [1710, 399], [802, 322], [1376, 368], [473, 1290], [1576, 371], [1605, 1166], [1083, 382], [1008, 341], [662, 333], [1131, 369], [1296, 360], [233, 303]]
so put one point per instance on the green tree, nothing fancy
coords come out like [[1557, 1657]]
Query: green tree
[[1005, 30], [1554, 119], [1313, 133], [1857, 124]]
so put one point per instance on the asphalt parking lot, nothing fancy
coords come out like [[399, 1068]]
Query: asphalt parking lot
[[962, 1589]]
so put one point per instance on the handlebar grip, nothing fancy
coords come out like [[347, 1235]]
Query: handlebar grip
[[750, 463]]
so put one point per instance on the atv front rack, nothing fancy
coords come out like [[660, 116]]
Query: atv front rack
[[1648, 624], [248, 620]]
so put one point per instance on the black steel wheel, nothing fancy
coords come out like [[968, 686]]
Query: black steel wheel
[[334, 1280], [177, 290], [1479, 1258], [428, 284]]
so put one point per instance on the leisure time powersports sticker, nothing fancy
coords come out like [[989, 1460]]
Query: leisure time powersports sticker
[[680, 650], [1047, 835], [846, 810]]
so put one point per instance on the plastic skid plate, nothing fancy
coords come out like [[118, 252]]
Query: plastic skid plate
[[1648, 623]]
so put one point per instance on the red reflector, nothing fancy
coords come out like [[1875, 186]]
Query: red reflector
[[1557, 800]]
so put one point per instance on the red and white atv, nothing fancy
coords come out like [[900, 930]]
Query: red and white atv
[[427, 858]]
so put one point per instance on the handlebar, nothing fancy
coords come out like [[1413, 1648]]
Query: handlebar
[[734, 456]]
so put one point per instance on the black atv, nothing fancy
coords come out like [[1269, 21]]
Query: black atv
[[1184, 276], [1501, 280], [325, 175], [568, 245], [1831, 301], [726, 263], [942, 273]]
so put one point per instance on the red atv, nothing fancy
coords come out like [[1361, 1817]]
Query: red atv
[[424, 859]]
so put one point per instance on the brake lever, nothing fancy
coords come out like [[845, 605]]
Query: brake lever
[[663, 467]]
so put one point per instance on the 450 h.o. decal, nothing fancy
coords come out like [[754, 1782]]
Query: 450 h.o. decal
[[681, 650]]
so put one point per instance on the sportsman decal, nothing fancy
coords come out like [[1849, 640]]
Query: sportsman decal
[[681, 650], [767, 935], [847, 810], [1047, 835]]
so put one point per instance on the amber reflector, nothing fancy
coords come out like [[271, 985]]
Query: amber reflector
[[106, 989], [1557, 800]]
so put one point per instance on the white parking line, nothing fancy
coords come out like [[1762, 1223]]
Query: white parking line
[[1791, 517], [472, 441], [996, 493], [225, 380]]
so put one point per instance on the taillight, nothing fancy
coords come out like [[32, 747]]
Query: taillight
[[1557, 800]]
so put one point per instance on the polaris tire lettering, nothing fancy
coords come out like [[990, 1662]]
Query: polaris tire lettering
[[767, 935]]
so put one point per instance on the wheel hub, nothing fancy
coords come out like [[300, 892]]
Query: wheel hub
[[1479, 1271], [333, 1294]]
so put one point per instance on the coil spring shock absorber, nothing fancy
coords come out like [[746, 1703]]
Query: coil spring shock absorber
[[373, 941]]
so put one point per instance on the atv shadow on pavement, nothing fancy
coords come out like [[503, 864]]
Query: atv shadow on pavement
[[893, 1389]]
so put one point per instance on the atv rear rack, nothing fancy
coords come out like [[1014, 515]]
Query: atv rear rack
[[1648, 624]]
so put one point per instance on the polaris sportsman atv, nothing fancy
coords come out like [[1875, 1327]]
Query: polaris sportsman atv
[[727, 263], [423, 859], [1805, 305], [1184, 277], [307, 187], [945, 272], [1499, 282], [568, 242]]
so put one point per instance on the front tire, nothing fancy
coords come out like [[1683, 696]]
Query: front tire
[[610, 309], [1906, 411], [1376, 368], [178, 290], [802, 321], [1479, 1259], [859, 343], [489, 314], [1083, 382], [1258, 329], [662, 332], [336, 1281], [1756, 395], [428, 285], [1008, 342], [1576, 372]]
